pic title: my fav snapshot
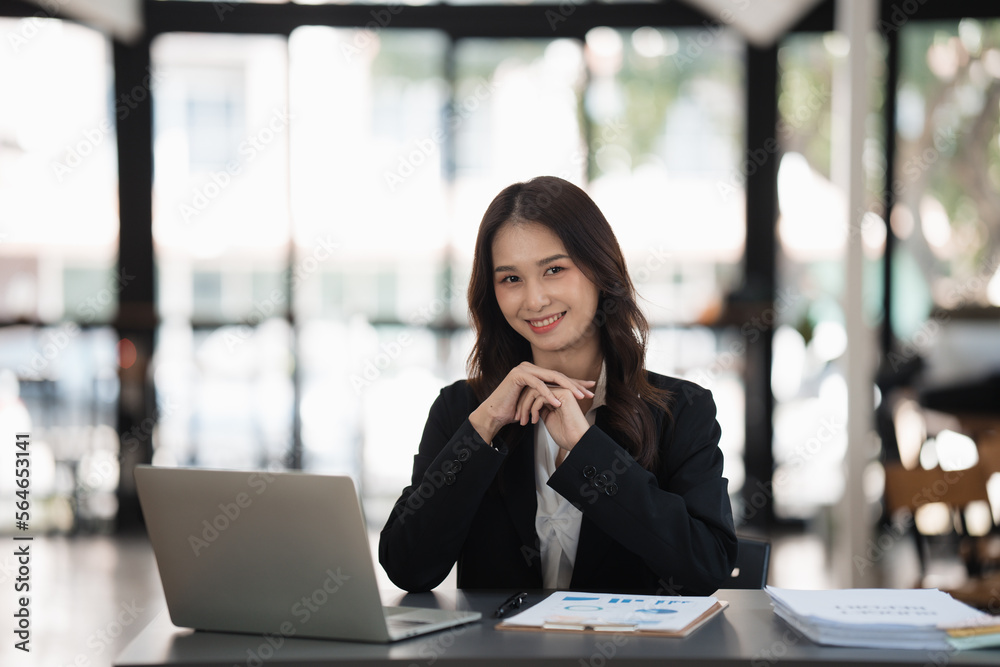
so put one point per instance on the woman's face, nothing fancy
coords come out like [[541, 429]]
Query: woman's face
[[542, 293]]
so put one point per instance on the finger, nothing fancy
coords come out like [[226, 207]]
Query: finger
[[536, 409], [580, 388], [522, 412], [542, 389], [530, 373], [576, 386], [524, 405], [544, 413], [560, 380]]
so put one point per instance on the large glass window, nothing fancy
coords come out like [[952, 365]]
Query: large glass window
[[947, 185], [371, 245], [665, 129], [58, 283], [810, 435], [949, 168], [222, 232], [946, 262], [319, 278]]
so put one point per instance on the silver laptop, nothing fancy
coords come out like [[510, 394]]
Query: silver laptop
[[277, 553]]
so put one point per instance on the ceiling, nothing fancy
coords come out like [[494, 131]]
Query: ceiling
[[761, 23]]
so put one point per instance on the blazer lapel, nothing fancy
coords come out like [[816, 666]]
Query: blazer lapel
[[517, 488]]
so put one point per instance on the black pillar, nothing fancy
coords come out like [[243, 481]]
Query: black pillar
[[889, 377], [136, 320], [888, 196], [760, 282]]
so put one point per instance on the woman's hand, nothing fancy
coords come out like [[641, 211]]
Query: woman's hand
[[566, 423], [504, 405]]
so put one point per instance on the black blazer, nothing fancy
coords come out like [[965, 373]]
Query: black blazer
[[669, 533]]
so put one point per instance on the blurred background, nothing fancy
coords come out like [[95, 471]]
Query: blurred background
[[242, 239]]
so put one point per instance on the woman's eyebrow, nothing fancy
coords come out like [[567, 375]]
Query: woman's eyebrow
[[541, 262], [553, 258]]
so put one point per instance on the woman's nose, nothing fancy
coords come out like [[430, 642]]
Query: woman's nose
[[537, 296]]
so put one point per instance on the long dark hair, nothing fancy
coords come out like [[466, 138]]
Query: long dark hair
[[569, 213]]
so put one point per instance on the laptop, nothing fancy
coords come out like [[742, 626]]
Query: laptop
[[277, 553]]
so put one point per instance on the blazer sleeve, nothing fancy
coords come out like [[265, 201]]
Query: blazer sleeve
[[679, 521], [452, 470]]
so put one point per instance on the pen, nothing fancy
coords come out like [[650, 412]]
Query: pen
[[513, 602]]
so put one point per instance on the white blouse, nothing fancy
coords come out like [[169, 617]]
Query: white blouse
[[557, 522]]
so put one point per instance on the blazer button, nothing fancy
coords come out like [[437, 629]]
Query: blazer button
[[611, 489], [600, 482], [589, 472], [449, 478], [464, 455], [456, 467]]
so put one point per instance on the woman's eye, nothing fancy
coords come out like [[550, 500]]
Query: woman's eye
[[555, 269], [509, 279]]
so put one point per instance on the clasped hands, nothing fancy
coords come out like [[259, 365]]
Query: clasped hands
[[530, 393]]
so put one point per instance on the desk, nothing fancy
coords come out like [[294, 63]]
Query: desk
[[747, 633]]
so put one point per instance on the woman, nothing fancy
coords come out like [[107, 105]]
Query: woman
[[561, 462]]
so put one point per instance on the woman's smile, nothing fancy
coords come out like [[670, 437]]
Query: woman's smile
[[546, 324]]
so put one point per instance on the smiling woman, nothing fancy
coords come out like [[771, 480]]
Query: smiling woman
[[562, 462]]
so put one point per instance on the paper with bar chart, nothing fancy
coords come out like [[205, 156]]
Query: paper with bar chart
[[606, 612]]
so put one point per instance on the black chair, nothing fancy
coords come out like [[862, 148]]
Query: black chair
[[751, 565]]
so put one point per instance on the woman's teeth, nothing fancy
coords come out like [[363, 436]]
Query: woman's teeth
[[546, 322]]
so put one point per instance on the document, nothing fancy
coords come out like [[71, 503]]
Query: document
[[877, 617], [658, 615]]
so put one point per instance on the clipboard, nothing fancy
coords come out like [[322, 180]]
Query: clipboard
[[604, 620]]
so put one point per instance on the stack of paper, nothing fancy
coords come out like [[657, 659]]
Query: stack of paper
[[980, 632], [925, 619]]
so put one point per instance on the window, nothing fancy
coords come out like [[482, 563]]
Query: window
[[946, 216], [395, 143], [810, 435], [58, 283], [222, 233]]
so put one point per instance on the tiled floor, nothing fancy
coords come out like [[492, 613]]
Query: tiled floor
[[90, 596]]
